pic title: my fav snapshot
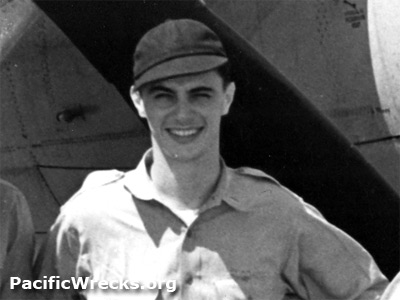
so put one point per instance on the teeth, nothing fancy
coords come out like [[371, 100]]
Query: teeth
[[182, 132]]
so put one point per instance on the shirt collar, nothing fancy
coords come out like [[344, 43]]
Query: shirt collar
[[138, 181], [139, 184]]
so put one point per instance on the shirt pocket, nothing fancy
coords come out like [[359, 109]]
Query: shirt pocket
[[251, 285]]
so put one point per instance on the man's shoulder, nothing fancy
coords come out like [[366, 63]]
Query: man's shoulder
[[99, 179], [263, 194], [102, 193], [97, 187], [255, 174], [11, 198], [8, 190], [258, 189]]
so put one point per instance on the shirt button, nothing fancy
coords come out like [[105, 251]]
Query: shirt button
[[189, 280]]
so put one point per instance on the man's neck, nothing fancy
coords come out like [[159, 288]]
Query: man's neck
[[184, 184]]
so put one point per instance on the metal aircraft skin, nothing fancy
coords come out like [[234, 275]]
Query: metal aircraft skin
[[344, 55], [57, 114], [65, 109]]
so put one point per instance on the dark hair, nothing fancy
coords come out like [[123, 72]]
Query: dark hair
[[225, 72]]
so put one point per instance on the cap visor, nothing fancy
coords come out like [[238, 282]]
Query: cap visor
[[179, 67]]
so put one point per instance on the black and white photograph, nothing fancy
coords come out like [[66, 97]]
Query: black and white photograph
[[200, 149]]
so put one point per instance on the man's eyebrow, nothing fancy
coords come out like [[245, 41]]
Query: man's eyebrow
[[201, 89], [159, 88]]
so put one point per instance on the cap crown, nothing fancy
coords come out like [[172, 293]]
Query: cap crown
[[172, 40]]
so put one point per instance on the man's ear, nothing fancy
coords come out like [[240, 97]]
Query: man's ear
[[229, 96], [138, 102]]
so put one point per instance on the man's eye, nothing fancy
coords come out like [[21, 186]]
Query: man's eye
[[163, 100], [162, 96], [202, 96]]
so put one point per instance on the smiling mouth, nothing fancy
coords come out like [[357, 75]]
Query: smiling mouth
[[184, 133]]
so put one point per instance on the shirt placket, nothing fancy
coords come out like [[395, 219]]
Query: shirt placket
[[193, 282]]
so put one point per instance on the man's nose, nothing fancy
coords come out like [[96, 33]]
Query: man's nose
[[183, 109]]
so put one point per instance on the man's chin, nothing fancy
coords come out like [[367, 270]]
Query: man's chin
[[184, 156]]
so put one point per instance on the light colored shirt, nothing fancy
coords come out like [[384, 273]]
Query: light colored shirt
[[16, 241], [253, 239], [393, 290]]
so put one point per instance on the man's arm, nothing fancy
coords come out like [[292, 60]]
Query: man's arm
[[59, 257], [17, 241], [393, 290], [325, 263]]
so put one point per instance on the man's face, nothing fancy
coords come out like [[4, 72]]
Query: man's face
[[184, 113]]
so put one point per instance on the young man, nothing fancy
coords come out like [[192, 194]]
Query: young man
[[183, 216]]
